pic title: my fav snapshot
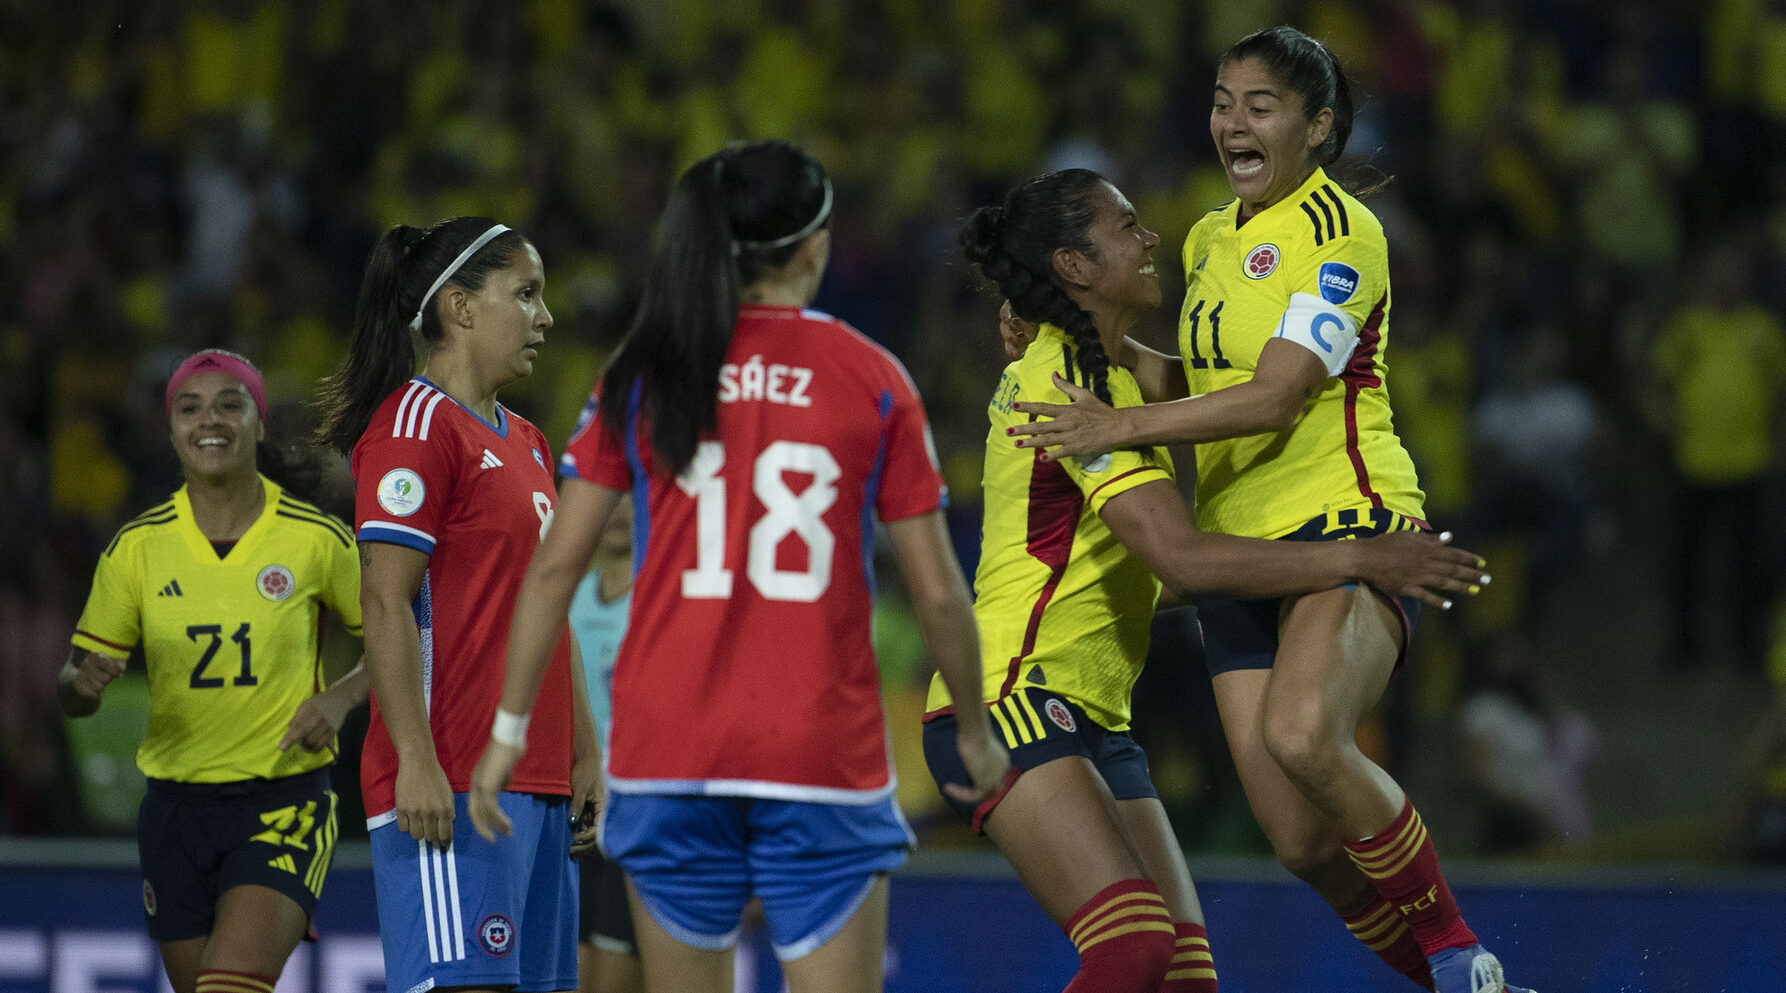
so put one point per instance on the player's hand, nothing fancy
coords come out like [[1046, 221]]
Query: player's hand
[[315, 723], [1420, 564], [424, 802], [987, 762], [1085, 428], [94, 673], [588, 792], [1015, 332], [489, 778]]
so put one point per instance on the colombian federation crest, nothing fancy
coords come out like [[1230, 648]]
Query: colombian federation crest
[[275, 583], [1061, 716], [1261, 261]]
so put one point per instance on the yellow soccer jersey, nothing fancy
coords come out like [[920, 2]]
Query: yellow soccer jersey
[[231, 644], [1342, 452], [1060, 602]]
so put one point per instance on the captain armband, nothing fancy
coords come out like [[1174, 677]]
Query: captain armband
[[1327, 331]]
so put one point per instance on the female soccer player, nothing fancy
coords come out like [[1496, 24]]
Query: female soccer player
[[607, 949], [452, 494], [223, 587], [760, 441], [1282, 334], [1065, 596]]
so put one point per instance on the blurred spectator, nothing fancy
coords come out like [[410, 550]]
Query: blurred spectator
[[1526, 754], [1535, 436], [1718, 372]]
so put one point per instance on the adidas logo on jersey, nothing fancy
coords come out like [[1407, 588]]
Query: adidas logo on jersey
[[285, 862], [171, 589], [490, 460]]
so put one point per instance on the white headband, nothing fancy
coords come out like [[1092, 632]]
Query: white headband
[[811, 226], [415, 323]]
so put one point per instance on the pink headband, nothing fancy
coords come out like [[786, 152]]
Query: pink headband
[[218, 360]]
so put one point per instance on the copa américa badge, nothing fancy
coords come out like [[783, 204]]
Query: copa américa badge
[[401, 492]]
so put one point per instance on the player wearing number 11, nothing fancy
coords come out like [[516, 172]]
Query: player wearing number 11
[[223, 587], [748, 752]]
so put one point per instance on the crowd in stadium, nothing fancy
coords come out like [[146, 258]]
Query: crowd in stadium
[[1585, 203]]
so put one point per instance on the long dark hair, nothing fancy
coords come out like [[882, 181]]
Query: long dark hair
[[732, 217], [382, 351], [1013, 247], [1308, 67]]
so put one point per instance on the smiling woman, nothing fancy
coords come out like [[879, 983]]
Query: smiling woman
[[222, 587], [1281, 386], [1066, 586], [453, 492]]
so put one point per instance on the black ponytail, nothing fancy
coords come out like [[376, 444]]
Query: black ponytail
[[382, 349], [728, 222], [1311, 69], [1013, 247]]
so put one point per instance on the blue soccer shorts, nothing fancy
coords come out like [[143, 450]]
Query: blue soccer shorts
[[696, 860], [472, 913]]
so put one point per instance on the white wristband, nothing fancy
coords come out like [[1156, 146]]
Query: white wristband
[[509, 729]]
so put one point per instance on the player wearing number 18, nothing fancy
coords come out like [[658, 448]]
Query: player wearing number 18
[[748, 752], [453, 491], [223, 587]]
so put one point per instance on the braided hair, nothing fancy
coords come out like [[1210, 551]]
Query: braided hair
[[1013, 246]]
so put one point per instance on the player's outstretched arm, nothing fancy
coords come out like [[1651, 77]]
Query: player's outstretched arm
[[317, 720], [946, 621], [390, 575], [81, 683], [1287, 376], [541, 608], [1152, 522]]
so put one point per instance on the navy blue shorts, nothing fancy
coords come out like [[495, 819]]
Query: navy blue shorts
[[1038, 727], [696, 860], [196, 840], [1243, 634], [476, 913]]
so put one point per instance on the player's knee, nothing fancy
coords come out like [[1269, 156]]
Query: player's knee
[[1302, 742]]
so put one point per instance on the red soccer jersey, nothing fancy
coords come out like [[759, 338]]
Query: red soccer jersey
[[475, 497], [746, 667]]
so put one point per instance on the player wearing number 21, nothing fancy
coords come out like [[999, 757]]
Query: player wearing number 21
[[223, 587], [453, 492], [1282, 337], [748, 752]]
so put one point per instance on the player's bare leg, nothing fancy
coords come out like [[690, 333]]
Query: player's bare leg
[[1302, 838], [1060, 829], [255, 932], [600, 970], [671, 966], [853, 961]]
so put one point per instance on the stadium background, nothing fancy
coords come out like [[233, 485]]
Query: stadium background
[[1567, 181]]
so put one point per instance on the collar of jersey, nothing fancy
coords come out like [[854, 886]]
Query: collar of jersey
[[500, 428], [201, 546], [1316, 178]]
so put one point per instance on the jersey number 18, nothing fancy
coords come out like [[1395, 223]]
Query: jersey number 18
[[787, 513]]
